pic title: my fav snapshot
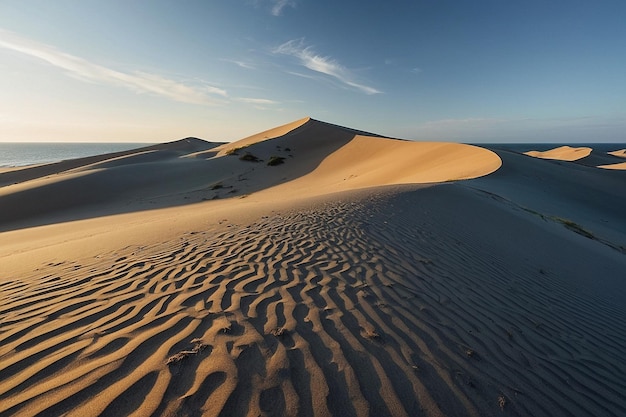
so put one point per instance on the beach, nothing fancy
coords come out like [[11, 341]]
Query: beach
[[315, 270]]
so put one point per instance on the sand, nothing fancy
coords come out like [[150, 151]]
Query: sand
[[562, 153], [362, 276], [621, 153], [619, 165], [585, 156]]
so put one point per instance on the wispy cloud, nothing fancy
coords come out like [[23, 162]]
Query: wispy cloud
[[260, 103], [241, 64], [140, 82], [263, 101], [299, 74], [279, 5], [322, 64]]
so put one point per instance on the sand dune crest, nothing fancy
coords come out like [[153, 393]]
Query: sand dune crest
[[265, 135], [619, 153], [618, 166], [368, 161], [190, 280], [317, 158], [562, 153]]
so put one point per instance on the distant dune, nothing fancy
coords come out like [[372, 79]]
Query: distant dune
[[619, 153], [619, 165], [584, 155], [562, 153], [314, 270]]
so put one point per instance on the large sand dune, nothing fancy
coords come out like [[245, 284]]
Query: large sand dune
[[191, 170], [361, 277]]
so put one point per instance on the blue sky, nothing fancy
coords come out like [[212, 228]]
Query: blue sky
[[467, 71]]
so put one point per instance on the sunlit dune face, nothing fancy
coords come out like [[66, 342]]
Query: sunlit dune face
[[563, 153]]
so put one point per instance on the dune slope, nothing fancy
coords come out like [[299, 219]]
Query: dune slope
[[192, 171], [583, 156], [621, 153], [562, 153], [339, 286]]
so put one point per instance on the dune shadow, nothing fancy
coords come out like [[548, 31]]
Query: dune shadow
[[160, 176]]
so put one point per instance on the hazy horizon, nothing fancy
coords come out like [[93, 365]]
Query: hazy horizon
[[485, 72]]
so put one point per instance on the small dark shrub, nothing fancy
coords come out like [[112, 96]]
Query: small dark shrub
[[576, 228], [249, 157], [276, 160]]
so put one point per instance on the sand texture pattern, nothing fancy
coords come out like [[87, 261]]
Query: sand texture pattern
[[345, 281]]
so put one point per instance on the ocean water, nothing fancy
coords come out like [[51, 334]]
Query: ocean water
[[20, 154]]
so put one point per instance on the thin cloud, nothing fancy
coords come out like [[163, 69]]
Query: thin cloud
[[279, 5], [139, 82], [263, 101], [299, 74], [240, 64], [322, 64]]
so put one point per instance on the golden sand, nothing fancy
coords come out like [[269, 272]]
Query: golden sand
[[361, 276]]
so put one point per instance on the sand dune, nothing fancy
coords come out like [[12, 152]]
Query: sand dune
[[619, 153], [191, 170], [361, 277], [21, 174], [370, 161], [619, 165], [265, 135], [562, 153], [583, 155]]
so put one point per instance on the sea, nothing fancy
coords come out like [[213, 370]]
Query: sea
[[20, 154]]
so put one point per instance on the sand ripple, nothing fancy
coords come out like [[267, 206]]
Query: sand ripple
[[342, 310]]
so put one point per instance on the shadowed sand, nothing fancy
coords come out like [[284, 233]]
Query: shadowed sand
[[360, 277], [190, 171], [617, 165]]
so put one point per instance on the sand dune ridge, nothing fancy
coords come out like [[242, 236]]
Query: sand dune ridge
[[364, 276], [191, 171]]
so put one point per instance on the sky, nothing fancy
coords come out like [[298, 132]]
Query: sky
[[462, 71]]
